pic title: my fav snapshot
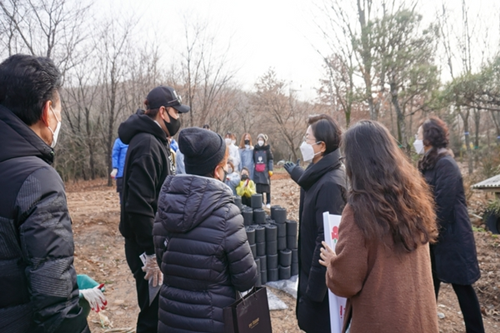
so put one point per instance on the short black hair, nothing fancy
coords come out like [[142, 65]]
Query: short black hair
[[26, 83], [326, 129]]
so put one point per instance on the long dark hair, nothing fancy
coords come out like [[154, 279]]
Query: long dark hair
[[387, 193], [436, 134]]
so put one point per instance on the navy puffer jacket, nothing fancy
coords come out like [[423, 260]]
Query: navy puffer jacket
[[202, 249]]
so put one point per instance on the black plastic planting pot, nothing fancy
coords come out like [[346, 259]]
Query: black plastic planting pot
[[259, 216], [256, 201], [271, 232], [285, 257], [281, 243], [247, 216], [261, 249], [285, 272], [291, 242], [279, 215], [281, 229], [272, 261], [260, 234], [272, 274], [263, 263], [291, 227], [273, 210], [250, 235], [271, 247], [254, 250], [263, 277]]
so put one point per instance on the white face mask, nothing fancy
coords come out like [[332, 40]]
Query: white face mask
[[307, 151], [260, 142], [233, 142], [419, 147], [55, 133], [228, 141]]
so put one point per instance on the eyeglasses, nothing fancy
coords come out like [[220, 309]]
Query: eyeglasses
[[306, 138]]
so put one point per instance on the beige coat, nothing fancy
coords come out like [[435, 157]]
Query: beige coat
[[386, 291]]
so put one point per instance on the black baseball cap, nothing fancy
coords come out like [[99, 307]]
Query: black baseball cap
[[165, 96]]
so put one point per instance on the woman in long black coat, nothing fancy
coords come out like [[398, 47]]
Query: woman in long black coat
[[453, 257], [323, 189]]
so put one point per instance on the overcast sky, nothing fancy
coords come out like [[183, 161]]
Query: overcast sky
[[281, 34]]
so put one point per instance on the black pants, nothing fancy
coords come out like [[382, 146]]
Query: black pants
[[246, 201], [264, 188], [148, 316], [469, 304]]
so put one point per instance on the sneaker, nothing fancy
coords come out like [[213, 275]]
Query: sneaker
[[268, 206]]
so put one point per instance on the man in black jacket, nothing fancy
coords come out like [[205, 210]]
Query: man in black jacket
[[147, 164], [38, 285]]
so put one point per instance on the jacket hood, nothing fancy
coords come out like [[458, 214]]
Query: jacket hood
[[18, 140], [329, 162], [187, 200], [140, 123]]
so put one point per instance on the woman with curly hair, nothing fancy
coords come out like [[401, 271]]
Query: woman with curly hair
[[453, 257], [381, 264]]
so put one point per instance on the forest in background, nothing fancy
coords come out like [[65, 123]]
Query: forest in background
[[383, 62]]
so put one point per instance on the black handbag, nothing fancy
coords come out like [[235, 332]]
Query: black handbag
[[249, 314]]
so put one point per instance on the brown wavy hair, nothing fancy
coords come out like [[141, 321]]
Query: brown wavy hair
[[387, 193], [242, 141], [435, 134]]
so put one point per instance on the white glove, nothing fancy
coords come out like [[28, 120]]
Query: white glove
[[95, 297], [153, 272], [113, 173]]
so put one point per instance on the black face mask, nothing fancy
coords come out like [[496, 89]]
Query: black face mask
[[244, 177], [173, 126], [247, 142]]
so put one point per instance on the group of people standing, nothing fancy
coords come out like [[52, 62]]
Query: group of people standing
[[251, 163], [404, 230]]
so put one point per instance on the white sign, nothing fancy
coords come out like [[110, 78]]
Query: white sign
[[337, 304]]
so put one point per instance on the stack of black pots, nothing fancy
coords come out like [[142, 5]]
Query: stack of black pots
[[273, 240]]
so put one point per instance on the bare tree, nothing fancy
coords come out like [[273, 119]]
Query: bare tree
[[51, 28], [205, 74], [281, 110], [113, 46]]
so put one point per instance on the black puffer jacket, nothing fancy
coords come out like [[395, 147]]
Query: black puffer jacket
[[38, 290], [146, 166], [323, 189], [454, 257], [202, 248]]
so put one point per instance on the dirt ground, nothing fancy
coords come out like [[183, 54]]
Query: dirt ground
[[99, 253]]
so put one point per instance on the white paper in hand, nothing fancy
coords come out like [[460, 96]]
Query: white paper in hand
[[337, 304]]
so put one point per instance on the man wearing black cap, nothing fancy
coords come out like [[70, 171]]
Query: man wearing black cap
[[147, 164]]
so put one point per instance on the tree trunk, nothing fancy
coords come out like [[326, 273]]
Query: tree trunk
[[465, 118], [400, 118], [477, 119]]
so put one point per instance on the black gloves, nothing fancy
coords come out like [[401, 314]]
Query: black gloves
[[289, 166]]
